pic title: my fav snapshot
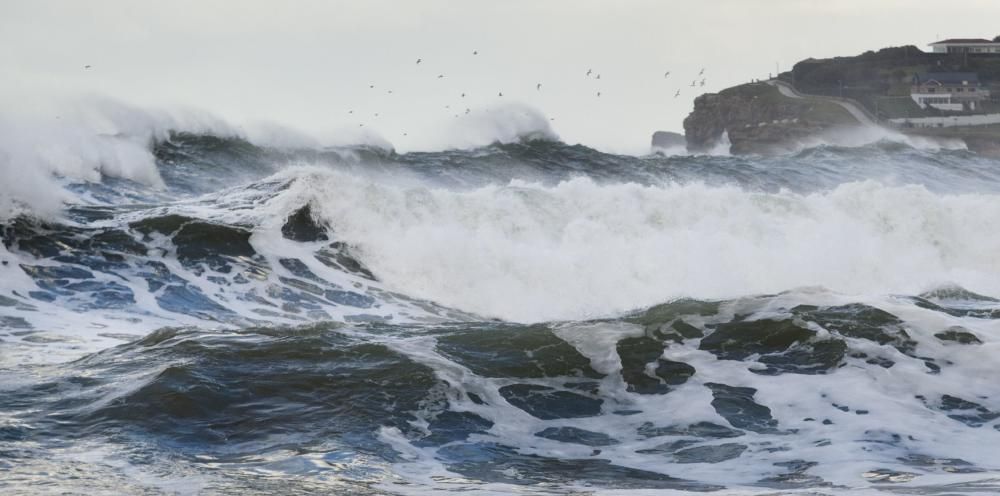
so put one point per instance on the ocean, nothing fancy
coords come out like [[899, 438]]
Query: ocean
[[189, 312]]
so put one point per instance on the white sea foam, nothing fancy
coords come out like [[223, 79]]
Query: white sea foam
[[81, 140], [579, 249], [506, 123], [853, 444]]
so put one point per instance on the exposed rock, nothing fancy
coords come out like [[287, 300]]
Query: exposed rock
[[667, 139], [758, 119], [300, 226]]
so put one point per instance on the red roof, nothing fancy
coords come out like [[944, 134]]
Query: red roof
[[962, 40]]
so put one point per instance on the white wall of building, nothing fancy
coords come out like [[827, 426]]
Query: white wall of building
[[958, 120], [975, 47]]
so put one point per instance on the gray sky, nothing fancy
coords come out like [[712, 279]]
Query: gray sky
[[306, 63]]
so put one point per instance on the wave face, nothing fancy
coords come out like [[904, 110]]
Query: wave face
[[527, 317]]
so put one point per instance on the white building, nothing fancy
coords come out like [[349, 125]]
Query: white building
[[950, 91], [966, 45]]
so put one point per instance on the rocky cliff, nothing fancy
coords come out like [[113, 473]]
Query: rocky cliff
[[666, 140], [758, 119]]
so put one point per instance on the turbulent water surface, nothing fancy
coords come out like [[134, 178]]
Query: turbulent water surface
[[530, 317]]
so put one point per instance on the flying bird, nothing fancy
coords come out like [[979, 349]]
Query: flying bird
[[500, 94], [665, 74], [463, 95], [86, 67], [589, 71], [440, 76], [475, 52], [598, 94], [371, 86], [702, 83], [538, 86], [466, 111], [677, 94], [598, 76], [693, 83], [350, 111], [420, 60], [702, 71]]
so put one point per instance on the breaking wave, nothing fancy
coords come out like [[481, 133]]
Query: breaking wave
[[193, 308]]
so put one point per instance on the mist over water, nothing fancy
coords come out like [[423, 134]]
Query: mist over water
[[191, 306]]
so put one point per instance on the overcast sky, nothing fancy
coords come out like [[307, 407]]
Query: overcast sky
[[306, 64]]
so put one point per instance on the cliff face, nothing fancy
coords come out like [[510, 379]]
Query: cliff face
[[758, 119]]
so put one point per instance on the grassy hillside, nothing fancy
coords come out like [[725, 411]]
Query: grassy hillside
[[881, 80]]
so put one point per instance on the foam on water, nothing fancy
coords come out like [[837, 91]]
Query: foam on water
[[529, 252], [318, 278], [860, 419]]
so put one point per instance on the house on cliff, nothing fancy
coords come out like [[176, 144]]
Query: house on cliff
[[966, 45], [949, 91]]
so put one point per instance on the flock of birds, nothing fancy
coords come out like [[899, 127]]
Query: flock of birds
[[538, 87]]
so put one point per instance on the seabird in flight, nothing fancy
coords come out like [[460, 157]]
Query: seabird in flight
[[589, 71], [677, 94], [420, 60], [538, 86], [665, 74]]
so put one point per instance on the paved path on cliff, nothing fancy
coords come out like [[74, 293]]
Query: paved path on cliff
[[859, 113]]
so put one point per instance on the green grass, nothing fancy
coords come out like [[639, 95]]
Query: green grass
[[813, 109], [897, 107]]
